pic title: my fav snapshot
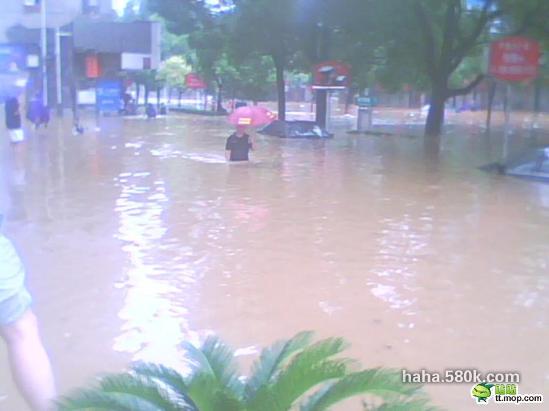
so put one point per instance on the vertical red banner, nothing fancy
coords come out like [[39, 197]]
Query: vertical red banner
[[93, 67]]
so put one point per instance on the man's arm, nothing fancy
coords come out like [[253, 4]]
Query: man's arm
[[228, 155], [252, 143]]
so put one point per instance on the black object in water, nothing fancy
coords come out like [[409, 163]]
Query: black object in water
[[295, 129]]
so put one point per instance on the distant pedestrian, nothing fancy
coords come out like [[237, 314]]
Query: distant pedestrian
[[150, 110], [30, 365], [130, 107], [13, 120], [238, 145], [44, 115], [37, 113], [163, 109]]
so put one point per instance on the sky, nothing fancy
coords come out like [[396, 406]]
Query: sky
[[119, 5]]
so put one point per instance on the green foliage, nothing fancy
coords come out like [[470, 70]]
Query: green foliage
[[181, 16], [251, 78], [271, 360], [173, 71], [434, 45], [291, 374], [377, 381]]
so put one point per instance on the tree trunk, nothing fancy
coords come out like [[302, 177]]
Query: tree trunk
[[538, 89], [491, 95], [179, 94], [137, 94], [435, 118], [280, 88], [507, 104], [219, 96], [158, 98], [147, 90]]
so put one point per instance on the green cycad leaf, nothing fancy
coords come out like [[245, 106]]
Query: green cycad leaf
[[167, 376], [99, 401], [306, 370], [272, 358], [145, 389], [209, 395], [379, 382], [216, 359]]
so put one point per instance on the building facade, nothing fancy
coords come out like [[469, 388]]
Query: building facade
[[86, 46]]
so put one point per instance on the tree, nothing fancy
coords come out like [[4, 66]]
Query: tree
[[268, 28], [205, 33], [230, 47], [208, 44], [146, 78], [173, 73], [257, 78], [135, 10], [426, 42], [292, 373], [252, 78]]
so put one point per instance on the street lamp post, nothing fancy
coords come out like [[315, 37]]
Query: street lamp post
[[59, 95], [44, 40], [58, 78]]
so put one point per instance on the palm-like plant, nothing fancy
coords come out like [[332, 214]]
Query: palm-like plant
[[296, 374]]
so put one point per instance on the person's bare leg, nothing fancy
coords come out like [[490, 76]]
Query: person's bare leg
[[29, 362]]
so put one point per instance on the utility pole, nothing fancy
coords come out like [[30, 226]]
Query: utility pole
[[322, 95], [59, 96], [58, 78], [44, 38]]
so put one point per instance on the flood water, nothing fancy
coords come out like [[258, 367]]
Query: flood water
[[140, 236]]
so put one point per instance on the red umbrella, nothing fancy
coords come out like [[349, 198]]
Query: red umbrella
[[251, 116]]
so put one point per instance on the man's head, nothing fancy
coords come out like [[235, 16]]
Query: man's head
[[240, 129]]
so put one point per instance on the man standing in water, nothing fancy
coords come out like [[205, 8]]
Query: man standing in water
[[30, 365], [239, 145]]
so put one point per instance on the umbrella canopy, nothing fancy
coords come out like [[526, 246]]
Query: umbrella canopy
[[251, 116]]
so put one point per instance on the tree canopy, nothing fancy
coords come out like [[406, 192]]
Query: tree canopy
[[432, 45]]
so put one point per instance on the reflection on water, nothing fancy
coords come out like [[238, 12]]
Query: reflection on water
[[140, 236], [152, 324]]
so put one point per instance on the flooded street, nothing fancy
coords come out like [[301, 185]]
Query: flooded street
[[140, 236]]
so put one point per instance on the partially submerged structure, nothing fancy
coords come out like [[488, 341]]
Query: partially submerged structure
[[533, 164], [296, 129]]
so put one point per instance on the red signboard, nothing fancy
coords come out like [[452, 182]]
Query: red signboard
[[194, 81], [332, 74], [93, 68], [514, 59]]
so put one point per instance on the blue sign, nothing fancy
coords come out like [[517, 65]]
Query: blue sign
[[108, 96], [366, 101]]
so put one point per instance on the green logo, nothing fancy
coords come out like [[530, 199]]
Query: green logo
[[502, 393], [482, 392]]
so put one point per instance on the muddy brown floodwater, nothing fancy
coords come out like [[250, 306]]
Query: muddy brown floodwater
[[139, 236]]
